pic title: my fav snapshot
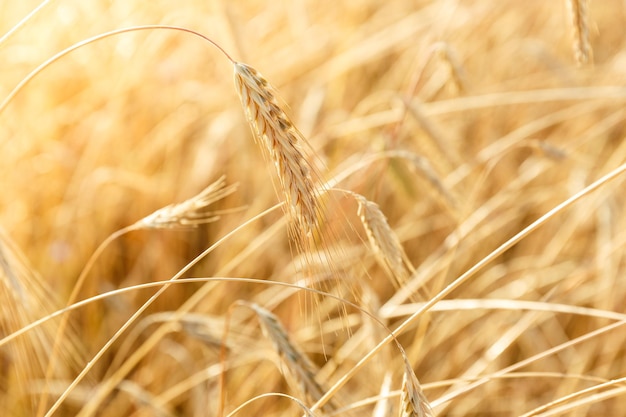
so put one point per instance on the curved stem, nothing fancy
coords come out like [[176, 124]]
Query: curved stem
[[93, 39], [23, 21]]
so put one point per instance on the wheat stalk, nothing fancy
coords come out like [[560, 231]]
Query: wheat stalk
[[580, 26], [383, 406], [280, 139]]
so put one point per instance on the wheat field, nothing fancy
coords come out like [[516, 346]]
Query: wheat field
[[318, 208]]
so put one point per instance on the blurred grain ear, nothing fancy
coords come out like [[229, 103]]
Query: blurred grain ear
[[297, 362], [579, 18], [383, 240]]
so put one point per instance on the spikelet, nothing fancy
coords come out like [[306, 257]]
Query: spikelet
[[298, 364], [189, 213], [283, 143], [384, 241]]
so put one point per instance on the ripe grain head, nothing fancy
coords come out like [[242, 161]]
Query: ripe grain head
[[191, 212], [297, 362], [383, 239], [283, 144], [413, 403]]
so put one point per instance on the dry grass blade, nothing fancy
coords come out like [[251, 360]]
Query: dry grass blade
[[283, 143], [580, 27], [384, 241], [191, 212], [413, 402], [299, 365]]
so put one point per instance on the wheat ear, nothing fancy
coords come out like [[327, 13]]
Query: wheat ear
[[299, 365], [384, 241], [413, 402], [191, 212], [282, 142], [580, 26]]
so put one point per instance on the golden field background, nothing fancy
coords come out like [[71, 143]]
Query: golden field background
[[465, 121]]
